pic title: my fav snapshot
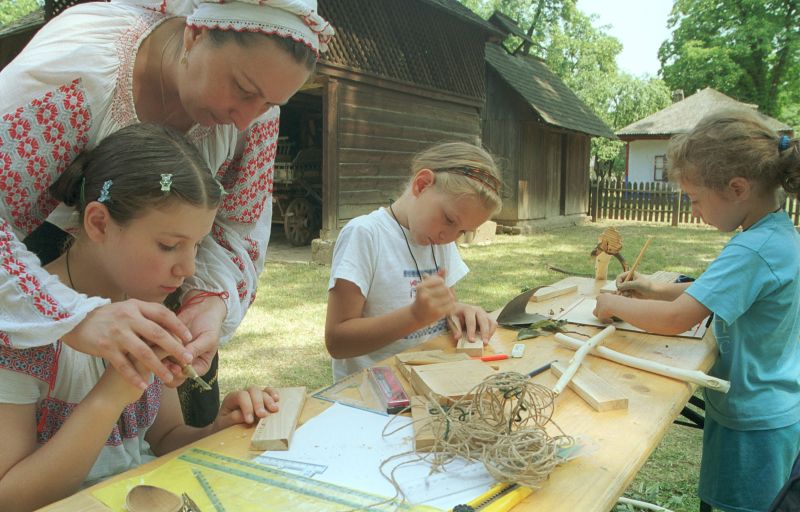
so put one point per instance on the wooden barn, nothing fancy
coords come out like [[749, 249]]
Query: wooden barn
[[399, 76], [541, 132]]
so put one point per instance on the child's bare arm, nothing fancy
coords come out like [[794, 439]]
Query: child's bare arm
[[349, 334], [642, 287], [656, 316], [31, 478], [169, 432]]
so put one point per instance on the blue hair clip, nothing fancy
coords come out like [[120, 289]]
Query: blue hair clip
[[166, 182], [105, 192], [783, 143]]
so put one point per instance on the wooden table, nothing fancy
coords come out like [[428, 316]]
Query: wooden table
[[622, 440]]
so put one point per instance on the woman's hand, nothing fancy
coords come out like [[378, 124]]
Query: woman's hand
[[204, 320], [246, 406], [125, 332], [473, 320]]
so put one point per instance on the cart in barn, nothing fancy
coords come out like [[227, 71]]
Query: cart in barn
[[297, 192]]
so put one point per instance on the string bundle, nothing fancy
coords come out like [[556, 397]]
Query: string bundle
[[501, 422]]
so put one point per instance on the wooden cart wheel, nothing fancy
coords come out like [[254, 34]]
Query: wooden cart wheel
[[300, 222]]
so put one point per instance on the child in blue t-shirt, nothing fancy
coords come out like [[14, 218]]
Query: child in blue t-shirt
[[732, 167]]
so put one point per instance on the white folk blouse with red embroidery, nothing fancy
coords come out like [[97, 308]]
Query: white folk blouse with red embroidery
[[67, 90]]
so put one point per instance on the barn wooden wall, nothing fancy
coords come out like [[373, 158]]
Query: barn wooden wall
[[376, 132], [545, 168]]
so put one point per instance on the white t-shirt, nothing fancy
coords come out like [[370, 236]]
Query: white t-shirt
[[25, 377], [371, 253]]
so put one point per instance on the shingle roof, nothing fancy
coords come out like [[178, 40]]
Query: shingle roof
[[682, 116], [454, 7], [544, 91], [508, 25]]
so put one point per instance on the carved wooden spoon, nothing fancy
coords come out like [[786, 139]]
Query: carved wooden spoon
[[149, 498]]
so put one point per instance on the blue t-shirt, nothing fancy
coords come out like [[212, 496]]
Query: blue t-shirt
[[754, 292]]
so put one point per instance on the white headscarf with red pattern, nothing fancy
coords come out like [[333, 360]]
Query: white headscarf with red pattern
[[295, 19]]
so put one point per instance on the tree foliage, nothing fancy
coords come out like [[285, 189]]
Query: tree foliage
[[584, 57], [747, 49], [11, 10]]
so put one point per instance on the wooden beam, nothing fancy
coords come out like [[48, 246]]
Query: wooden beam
[[274, 432], [330, 159], [549, 292], [595, 390]]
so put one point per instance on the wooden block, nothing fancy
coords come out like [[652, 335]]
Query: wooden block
[[407, 359], [275, 431], [597, 392], [424, 437], [551, 292], [470, 348], [448, 380]]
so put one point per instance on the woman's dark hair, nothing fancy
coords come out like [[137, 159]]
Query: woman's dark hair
[[302, 53], [134, 159]]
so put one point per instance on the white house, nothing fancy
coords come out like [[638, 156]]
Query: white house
[[646, 148]]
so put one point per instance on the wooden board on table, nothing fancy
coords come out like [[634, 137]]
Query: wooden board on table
[[445, 381], [422, 421], [546, 293], [595, 390], [470, 348], [275, 431], [406, 360], [581, 312]]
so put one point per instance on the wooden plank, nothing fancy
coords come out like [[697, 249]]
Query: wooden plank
[[549, 292], [275, 431], [470, 348], [330, 156], [595, 390], [424, 437], [406, 360], [443, 381]]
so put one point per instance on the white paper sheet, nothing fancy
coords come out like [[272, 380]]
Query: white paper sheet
[[350, 442], [581, 312]]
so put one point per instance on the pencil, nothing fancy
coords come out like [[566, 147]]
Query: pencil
[[638, 259]]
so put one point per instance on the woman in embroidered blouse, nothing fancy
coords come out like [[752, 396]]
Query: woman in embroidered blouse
[[219, 74]]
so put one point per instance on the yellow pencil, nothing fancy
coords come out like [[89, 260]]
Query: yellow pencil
[[638, 259]]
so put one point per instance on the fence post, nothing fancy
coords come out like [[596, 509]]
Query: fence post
[[676, 205]]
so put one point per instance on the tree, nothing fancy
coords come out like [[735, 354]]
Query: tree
[[584, 57], [747, 49]]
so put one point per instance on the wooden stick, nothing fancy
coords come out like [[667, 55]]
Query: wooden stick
[[693, 376], [575, 362], [638, 260]]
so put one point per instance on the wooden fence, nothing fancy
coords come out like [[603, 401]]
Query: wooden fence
[[652, 202]]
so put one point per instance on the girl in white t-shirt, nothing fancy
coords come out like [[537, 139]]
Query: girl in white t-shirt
[[145, 200], [393, 269]]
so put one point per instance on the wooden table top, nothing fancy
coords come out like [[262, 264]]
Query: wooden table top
[[619, 441]]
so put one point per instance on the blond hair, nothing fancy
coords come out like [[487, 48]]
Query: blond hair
[[730, 144], [463, 169]]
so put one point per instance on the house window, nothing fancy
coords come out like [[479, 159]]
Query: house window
[[660, 168]]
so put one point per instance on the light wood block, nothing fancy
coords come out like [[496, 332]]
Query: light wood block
[[551, 292], [470, 348], [422, 421], [406, 360], [446, 381], [594, 389], [275, 431]]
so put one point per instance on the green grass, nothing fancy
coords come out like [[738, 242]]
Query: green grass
[[281, 340]]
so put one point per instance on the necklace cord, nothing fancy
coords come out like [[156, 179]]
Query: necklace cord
[[403, 232]]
